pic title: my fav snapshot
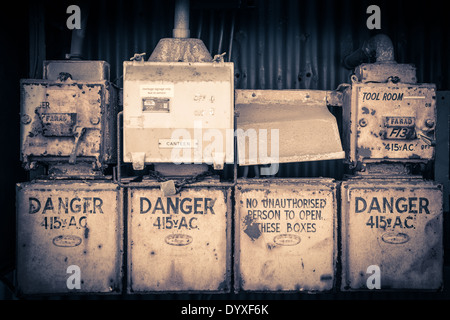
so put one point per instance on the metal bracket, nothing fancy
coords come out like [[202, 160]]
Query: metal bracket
[[138, 159]]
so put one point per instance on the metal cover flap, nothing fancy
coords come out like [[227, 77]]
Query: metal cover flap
[[279, 126]]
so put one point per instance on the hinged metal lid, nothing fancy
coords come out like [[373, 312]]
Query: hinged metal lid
[[292, 126]]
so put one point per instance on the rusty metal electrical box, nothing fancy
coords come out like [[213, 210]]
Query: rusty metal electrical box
[[68, 225], [396, 226], [180, 243], [387, 116], [392, 218], [178, 112], [285, 234], [68, 119]]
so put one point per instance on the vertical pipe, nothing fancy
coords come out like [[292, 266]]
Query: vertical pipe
[[181, 20]]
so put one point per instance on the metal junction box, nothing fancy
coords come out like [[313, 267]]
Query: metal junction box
[[389, 121], [285, 234], [67, 229], [69, 118], [395, 227], [178, 112], [180, 243]]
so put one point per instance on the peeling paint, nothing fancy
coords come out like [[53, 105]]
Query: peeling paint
[[365, 152], [251, 228]]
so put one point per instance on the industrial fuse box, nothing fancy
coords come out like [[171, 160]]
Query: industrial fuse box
[[392, 218], [388, 119], [178, 112], [68, 118], [395, 226], [69, 237], [285, 234], [180, 243]]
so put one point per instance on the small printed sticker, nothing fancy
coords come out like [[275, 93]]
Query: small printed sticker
[[157, 90], [177, 143]]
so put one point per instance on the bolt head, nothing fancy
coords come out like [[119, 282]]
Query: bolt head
[[429, 123], [95, 120], [26, 119], [363, 122]]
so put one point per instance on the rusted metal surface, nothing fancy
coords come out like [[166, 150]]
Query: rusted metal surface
[[178, 112], [392, 122], [285, 235], [180, 50], [69, 121], [180, 243], [181, 19], [396, 225], [379, 47], [380, 72], [65, 223], [78, 69]]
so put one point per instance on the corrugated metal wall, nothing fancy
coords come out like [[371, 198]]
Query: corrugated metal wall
[[284, 44], [287, 44]]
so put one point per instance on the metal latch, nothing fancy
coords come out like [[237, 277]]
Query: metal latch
[[138, 56], [79, 131], [138, 160], [219, 57], [168, 188], [429, 141]]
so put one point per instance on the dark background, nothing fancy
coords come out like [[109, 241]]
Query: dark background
[[284, 44]]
